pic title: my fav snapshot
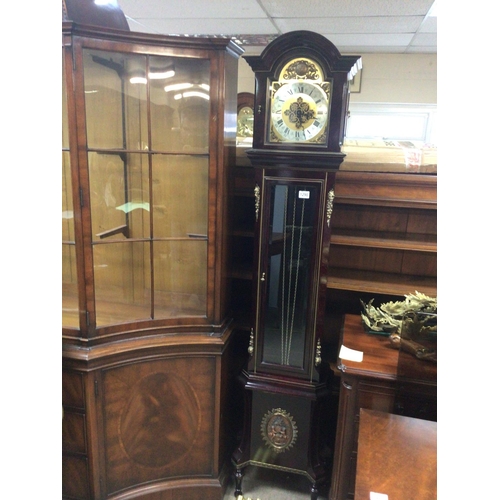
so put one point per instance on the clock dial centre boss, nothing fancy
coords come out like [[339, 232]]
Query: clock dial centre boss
[[299, 104]]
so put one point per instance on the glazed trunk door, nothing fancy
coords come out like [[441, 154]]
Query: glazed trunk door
[[287, 282]]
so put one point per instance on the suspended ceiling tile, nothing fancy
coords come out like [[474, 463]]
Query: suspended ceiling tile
[[370, 49], [370, 39], [209, 26], [424, 39], [140, 26], [194, 9], [429, 25], [322, 8], [421, 49], [376, 24]]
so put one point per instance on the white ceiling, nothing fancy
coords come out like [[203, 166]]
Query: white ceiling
[[354, 26]]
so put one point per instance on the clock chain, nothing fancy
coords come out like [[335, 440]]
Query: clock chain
[[283, 286], [293, 263]]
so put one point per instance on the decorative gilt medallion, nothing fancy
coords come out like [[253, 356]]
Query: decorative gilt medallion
[[299, 113], [279, 430], [301, 68]]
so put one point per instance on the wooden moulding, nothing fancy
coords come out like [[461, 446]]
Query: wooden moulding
[[112, 353], [370, 188]]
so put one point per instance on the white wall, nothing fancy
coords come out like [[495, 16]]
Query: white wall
[[399, 78]]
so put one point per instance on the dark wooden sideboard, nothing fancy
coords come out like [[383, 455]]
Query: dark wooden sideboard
[[371, 384]]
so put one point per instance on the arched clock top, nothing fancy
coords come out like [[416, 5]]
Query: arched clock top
[[301, 93], [295, 44]]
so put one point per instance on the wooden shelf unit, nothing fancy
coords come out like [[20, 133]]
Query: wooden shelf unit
[[242, 215], [384, 233]]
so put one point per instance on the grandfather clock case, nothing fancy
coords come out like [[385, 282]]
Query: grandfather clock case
[[149, 127], [301, 99]]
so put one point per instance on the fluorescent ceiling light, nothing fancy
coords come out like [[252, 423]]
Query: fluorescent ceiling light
[[138, 79], [160, 75], [433, 10], [106, 2], [178, 86], [194, 93]]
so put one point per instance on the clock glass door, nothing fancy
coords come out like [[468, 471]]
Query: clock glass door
[[287, 274]]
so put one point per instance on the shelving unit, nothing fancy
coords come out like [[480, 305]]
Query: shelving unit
[[384, 234], [242, 212]]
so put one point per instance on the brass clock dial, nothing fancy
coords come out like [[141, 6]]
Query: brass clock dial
[[299, 112]]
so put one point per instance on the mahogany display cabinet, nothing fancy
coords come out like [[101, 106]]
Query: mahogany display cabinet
[[149, 129]]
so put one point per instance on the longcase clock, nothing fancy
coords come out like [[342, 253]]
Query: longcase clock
[[301, 101]]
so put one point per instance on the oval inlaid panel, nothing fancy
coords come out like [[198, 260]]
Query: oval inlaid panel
[[160, 421], [279, 430]]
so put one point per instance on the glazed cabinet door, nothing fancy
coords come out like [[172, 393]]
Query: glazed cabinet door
[[287, 275], [143, 141]]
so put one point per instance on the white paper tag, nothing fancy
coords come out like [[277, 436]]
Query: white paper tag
[[304, 195], [378, 496], [350, 354]]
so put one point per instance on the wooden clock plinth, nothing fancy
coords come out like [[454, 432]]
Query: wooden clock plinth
[[283, 430]]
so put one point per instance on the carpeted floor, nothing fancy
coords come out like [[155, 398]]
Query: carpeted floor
[[265, 484]]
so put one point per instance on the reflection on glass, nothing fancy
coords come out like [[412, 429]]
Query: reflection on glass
[[180, 196], [116, 109], [147, 124], [69, 278], [244, 124], [180, 278], [70, 317], [290, 245], [65, 132], [119, 195], [122, 276], [180, 105]]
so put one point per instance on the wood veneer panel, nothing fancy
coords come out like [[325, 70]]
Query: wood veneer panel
[[73, 432], [73, 390], [75, 478], [159, 420], [375, 218], [366, 259], [419, 264], [422, 221], [396, 456]]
